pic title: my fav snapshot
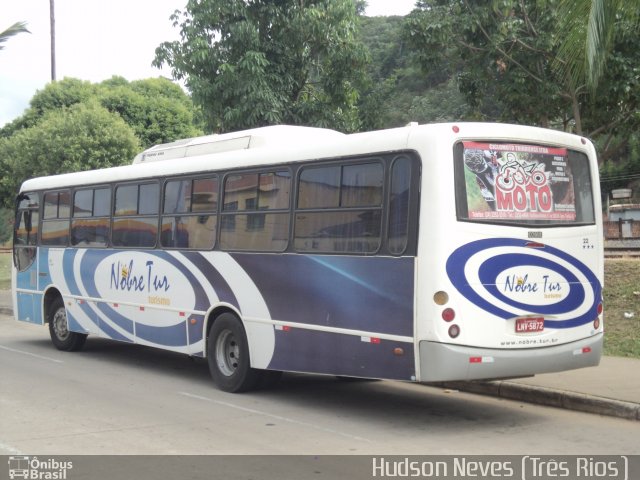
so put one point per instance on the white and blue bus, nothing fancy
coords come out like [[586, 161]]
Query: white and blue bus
[[425, 253]]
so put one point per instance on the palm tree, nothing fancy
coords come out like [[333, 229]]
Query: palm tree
[[587, 33], [14, 29]]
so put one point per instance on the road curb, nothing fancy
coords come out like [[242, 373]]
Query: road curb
[[551, 397]]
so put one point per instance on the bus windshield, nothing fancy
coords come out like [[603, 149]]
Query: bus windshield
[[522, 184]]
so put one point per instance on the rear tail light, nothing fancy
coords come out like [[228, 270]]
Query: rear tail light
[[582, 351], [454, 331], [596, 322], [441, 298], [448, 314]]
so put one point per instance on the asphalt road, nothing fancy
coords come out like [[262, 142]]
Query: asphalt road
[[114, 398]]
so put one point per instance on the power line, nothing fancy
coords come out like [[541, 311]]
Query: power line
[[613, 178]]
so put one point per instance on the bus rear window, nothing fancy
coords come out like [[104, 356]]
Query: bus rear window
[[522, 184]]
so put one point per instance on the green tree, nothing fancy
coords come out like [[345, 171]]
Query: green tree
[[501, 53], [385, 97], [82, 137], [16, 28], [505, 55], [59, 95], [589, 29], [258, 63], [6, 225], [54, 96], [399, 91], [598, 53], [157, 109]]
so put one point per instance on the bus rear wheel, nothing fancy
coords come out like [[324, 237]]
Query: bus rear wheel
[[62, 338], [228, 356]]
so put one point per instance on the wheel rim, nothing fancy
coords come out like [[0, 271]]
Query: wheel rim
[[60, 324], [227, 353]]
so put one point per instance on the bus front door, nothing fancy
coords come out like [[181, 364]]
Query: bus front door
[[25, 258]]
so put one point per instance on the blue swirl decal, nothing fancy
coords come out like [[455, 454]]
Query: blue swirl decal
[[499, 262], [172, 335]]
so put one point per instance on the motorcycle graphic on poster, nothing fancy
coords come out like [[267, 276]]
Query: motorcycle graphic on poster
[[518, 182]]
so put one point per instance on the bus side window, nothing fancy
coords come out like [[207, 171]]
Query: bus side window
[[55, 224], [399, 205], [189, 208], [27, 221], [255, 214], [90, 223], [579, 164], [25, 233], [135, 220], [339, 208]]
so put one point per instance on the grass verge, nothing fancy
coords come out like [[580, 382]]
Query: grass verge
[[622, 307], [5, 270]]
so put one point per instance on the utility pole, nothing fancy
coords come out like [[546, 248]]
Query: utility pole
[[52, 16]]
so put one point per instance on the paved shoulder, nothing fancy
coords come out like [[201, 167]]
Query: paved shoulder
[[6, 307], [606, 389]]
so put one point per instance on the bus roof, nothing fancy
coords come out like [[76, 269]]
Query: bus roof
[[257, 147], [245, 139], [283, 144]]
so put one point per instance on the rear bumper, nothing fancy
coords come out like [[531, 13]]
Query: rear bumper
[[441, 362]]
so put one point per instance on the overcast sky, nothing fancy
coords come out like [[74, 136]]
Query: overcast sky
[[95, 39]]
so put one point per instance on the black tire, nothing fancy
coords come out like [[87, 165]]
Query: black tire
[[61, 337], [228, 356]]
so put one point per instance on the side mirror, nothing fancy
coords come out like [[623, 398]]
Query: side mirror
[[27, 220]]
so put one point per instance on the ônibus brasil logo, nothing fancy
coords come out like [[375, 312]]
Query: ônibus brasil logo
[[36, 469]]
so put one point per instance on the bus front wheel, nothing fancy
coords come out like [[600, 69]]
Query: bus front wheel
[[228, 356], [62, 338]]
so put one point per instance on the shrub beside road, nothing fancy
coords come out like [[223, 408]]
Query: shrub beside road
[[5, 270], [622, 307]]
